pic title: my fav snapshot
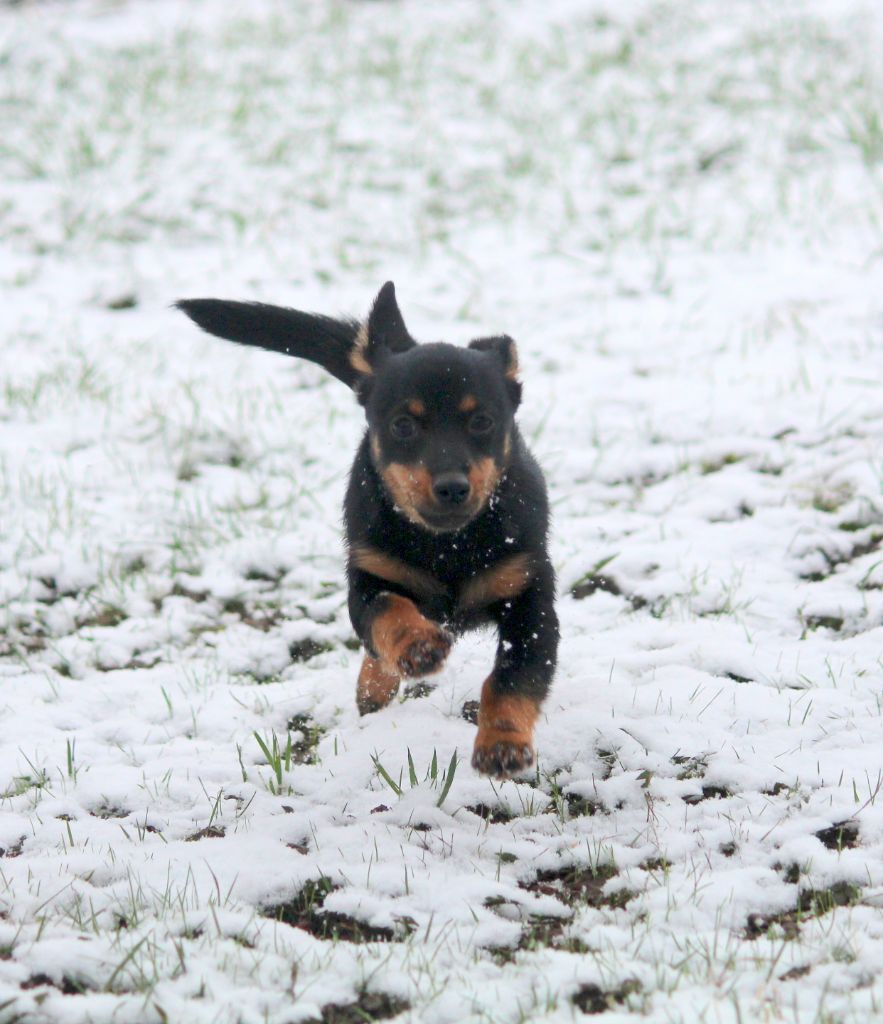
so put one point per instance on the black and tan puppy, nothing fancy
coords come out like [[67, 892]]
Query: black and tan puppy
[[446, 511]]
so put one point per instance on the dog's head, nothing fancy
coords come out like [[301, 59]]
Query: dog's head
[[440, 418]]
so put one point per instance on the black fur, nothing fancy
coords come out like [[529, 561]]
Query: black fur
[[320, 339], [443, 489]]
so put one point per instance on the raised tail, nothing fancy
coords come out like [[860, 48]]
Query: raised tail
[[319, 339]]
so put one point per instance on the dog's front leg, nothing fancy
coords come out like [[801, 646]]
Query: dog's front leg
[[400, 641], [523, 670]]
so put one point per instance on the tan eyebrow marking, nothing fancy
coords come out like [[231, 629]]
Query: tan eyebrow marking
[[416, 407], [506, 579], [469, 403], [394, 570]]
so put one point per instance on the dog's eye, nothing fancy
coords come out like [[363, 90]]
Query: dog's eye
[[481, 423], [403, 427]]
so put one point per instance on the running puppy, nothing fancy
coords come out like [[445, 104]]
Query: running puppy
[[446, 511]]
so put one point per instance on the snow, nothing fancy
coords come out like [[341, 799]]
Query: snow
[[676, 211]]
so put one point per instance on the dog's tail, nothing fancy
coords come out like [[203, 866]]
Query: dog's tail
[[319, 339]]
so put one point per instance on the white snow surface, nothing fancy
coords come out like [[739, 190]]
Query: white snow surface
[[677, 211]]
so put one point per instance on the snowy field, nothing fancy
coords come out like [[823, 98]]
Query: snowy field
[[677, 211]]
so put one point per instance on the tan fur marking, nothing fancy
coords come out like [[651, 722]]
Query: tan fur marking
[[513, 369], [392, 629], [377, 685], [505, 580], [416, 407], [409, 486], [358, 357], [394, 570], [505, 718], [375, 448], [469, 403], [484, 476], [406, 641]]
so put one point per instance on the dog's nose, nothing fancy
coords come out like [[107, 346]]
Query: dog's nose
[[451, 488]]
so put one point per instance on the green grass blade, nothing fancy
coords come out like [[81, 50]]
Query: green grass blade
[[449, 780], [387, 778]]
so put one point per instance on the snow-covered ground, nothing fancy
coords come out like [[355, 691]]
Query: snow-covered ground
[[677, 210]]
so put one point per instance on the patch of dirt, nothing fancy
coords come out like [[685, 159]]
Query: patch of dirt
[[264, 576], [592, 583], [709, 793], [592, 999], [493, 815], [303, 650], [211, 832], [263, 619], [14, 850], [795, 973], [543, 932], [305, 912], [579, 885], [180, 590], [841, 836], [834, 560], [580, 806], [469, 711], [737, 678], [417, 690], [368, 1007], [811, 903], [106, 811], [68, 986], [833, 622], [775, 790], [691, 767], [608, 762], [107, 616], [57, 592], [303, 751]]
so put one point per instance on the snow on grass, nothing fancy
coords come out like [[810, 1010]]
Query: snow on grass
[[677, 210]]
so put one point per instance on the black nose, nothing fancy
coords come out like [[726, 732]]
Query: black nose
[[451, 488]]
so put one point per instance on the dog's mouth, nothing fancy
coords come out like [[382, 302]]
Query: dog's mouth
[[447, 522]]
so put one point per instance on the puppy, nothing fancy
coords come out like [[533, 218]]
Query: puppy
[[446, 511]]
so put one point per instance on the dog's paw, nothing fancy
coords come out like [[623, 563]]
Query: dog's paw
[[368, 705], [425, 652], [376, 687], [501, 756]]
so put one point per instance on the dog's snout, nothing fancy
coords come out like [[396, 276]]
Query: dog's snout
[[451, 488]]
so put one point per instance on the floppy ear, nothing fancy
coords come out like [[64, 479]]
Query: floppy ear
[[319, 339], [503, 350], [383, 334]]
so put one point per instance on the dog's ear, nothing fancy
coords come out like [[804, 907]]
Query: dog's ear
[[383, 334], [504, 352], [319, 339], [386, 326]]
